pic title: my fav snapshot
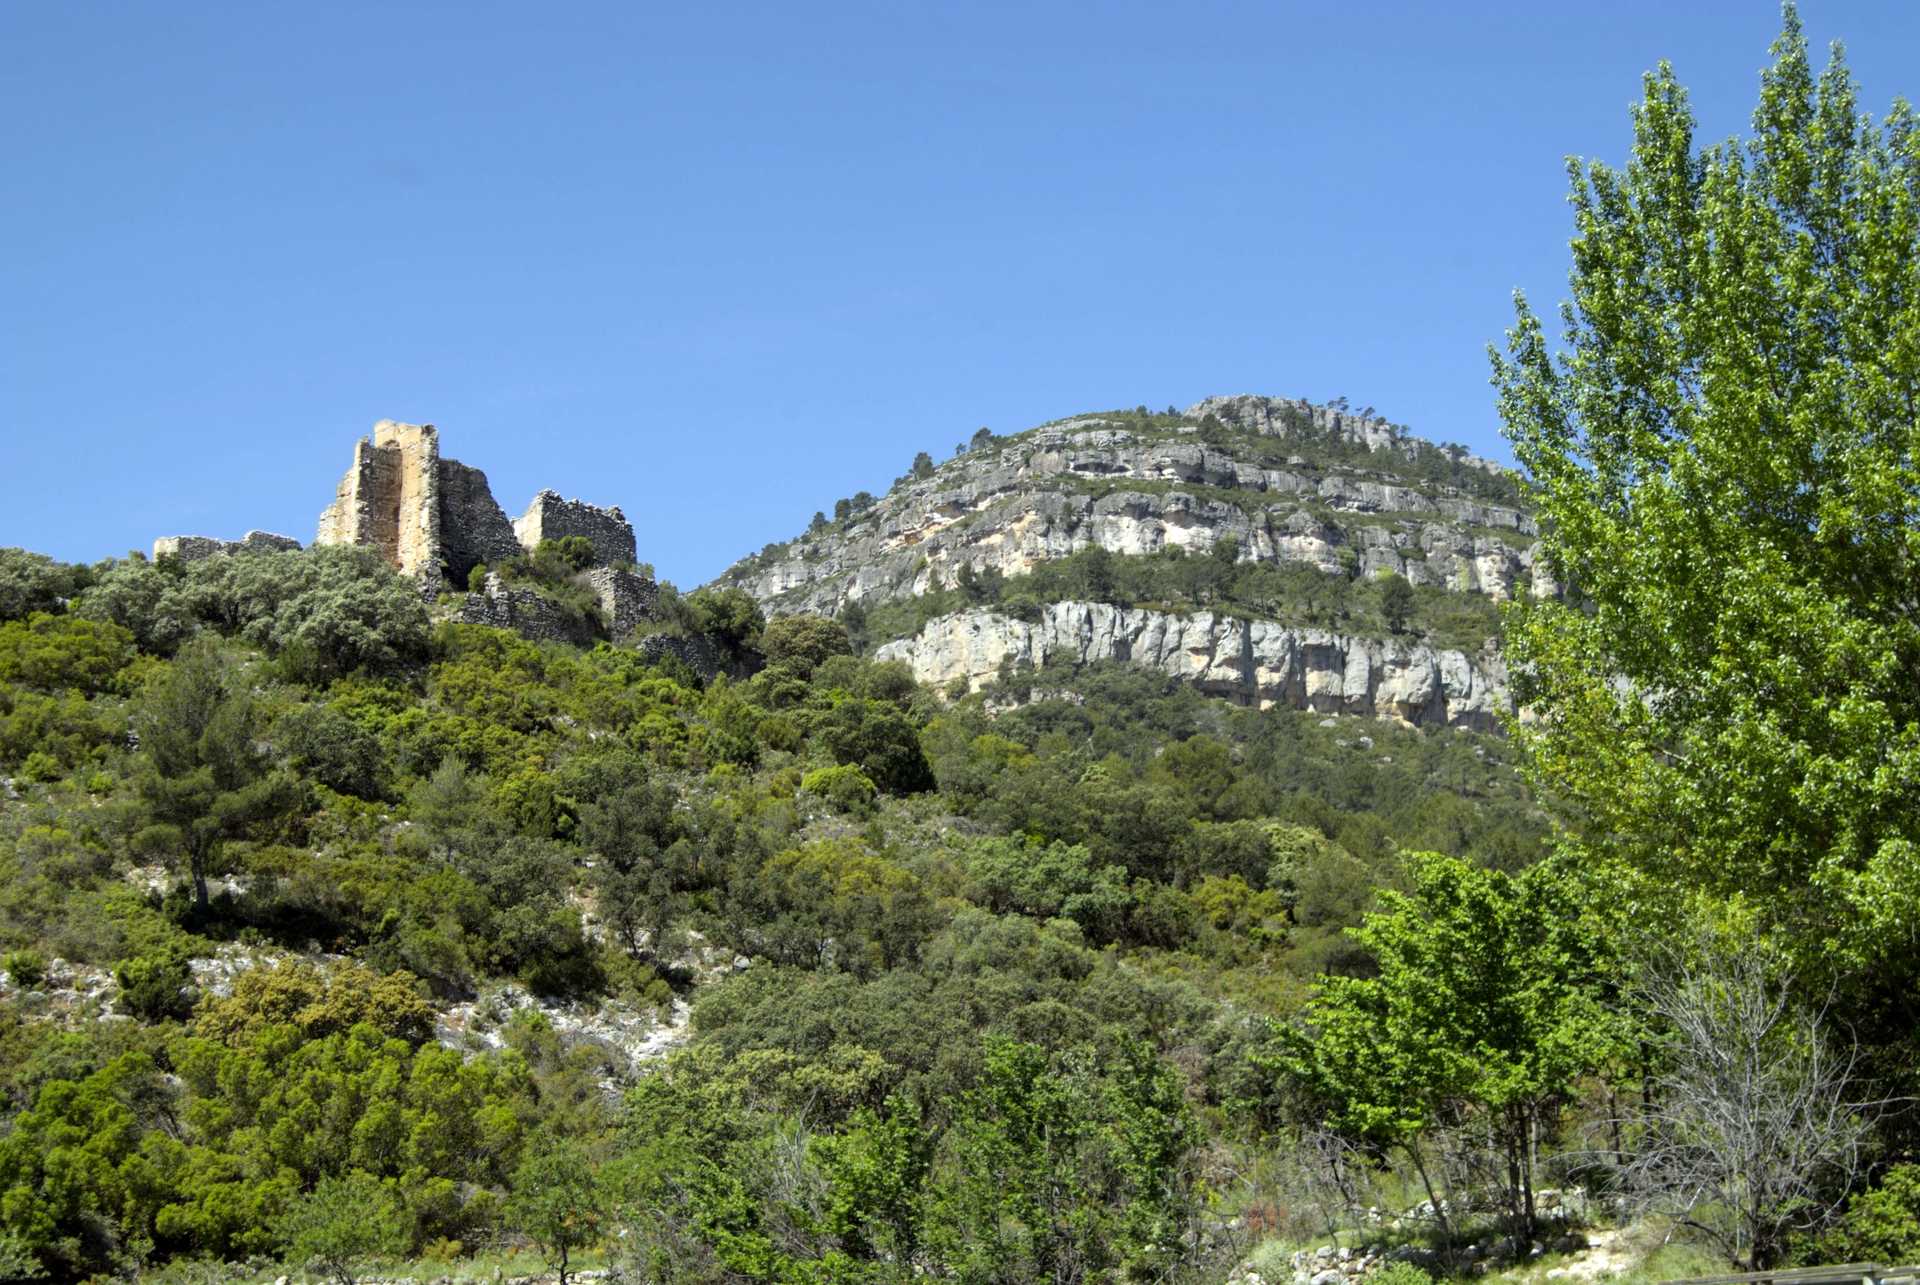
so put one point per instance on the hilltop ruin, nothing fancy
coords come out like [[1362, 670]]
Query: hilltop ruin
[[435, 519], [433, 516]]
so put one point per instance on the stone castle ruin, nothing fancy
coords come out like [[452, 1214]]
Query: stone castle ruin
[[192, 548], [430, 515], [551, 518], [433, 517]]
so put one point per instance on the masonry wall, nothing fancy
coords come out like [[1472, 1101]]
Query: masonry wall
[[427, 515], [409, 493], [550, 517], [527, 613], [193, 548], [627, 600], [473, 529]]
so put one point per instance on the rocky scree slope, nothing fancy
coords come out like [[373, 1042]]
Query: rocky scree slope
[[1348, 495]]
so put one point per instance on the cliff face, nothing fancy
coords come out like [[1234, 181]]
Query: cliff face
[[1349, 495], [1255, 663], [1289, 482]]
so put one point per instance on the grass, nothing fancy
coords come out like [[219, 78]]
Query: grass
[[481, 1267]]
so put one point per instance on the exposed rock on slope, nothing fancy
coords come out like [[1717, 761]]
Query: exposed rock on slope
[[1250, 662], [1288, 481]]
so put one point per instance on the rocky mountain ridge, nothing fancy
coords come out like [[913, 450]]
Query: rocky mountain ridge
[[1348, 495], [1288, 481]]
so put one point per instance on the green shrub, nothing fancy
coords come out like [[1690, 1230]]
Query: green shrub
[[31, 582], [155, 987], [343, 1223], [1881, 1224], [847, 789], [26, 968]]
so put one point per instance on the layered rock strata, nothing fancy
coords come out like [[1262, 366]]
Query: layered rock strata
[[1069, 486], [1254, 663]]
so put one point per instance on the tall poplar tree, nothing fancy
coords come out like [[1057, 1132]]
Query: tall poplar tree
[[1723, 454]]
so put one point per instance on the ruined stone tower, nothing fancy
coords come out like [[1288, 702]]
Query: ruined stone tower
[[428, 515], [550, 517]]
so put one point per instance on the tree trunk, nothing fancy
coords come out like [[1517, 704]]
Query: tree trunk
[[1439, 1207]]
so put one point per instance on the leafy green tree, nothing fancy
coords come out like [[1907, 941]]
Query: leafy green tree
[[564, 556], [156, 986], [204, 779], [1488, 1004], [1881, 1224], [52, 652], [1056, 1168], [731, 617], [1396, 601], [846, 789], [344, 1223], [1097, 581], [880, 740], [147, 600], [1723, 455], [801, 643], [643, 861], [922, 465], [877, 1169], [558, 1200], [31, 582]]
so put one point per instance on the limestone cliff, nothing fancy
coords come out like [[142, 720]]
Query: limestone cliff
[[1349, 495], [1256, 663]]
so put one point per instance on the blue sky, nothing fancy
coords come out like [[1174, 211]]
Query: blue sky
[[723, 264]]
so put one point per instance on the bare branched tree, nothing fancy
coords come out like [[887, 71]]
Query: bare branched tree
[[1752, 1130]]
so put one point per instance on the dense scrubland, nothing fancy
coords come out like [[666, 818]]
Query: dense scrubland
[[310, 902], [1045, 942]]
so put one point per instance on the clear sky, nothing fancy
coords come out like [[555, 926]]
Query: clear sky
[[725, 263]]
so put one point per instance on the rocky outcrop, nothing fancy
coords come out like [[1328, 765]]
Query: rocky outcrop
[[192, 548], [550, 517], [1254, 663], [1344, 495], [1293, 417]]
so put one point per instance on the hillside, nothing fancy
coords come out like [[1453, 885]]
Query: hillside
[[1248, 544]]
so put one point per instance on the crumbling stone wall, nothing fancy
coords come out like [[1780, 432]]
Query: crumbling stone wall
[[428, 515], [550, 517], [473, 528], [530, 614], [698, 653], [627, 600], [193, 548]]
